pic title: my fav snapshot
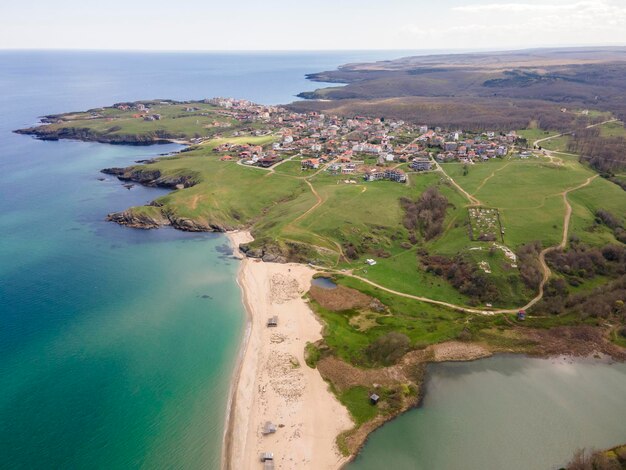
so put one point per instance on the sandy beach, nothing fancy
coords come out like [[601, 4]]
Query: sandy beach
[[273, 382]]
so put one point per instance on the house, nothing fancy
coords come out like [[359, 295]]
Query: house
[[268, 161], [374, 399], [374, 175], [310, 164], [348, 168], [370, 261], [395, 175], [421, 164], [521, 315]]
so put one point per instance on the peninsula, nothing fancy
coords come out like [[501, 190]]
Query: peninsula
[[438, 239]]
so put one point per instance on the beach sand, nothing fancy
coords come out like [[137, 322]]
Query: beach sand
[[273, 383]]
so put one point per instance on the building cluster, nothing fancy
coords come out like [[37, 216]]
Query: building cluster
[[375, 148], [448, 147]]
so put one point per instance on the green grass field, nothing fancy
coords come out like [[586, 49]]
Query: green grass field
[[284, 209], [339, 225], [613, 129], [176, 122]]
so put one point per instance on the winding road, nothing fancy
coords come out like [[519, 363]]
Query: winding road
[[542, 255]]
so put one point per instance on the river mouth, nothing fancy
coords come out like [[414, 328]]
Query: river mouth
[[506, 411]]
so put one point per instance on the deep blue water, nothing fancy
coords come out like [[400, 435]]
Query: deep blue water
[[116, 345]]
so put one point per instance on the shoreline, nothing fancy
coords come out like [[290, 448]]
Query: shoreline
[[271, 381], [244, 418], [235, 238]]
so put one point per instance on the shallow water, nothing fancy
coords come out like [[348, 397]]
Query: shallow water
[[324, 283], [116, 345], [504, 412]]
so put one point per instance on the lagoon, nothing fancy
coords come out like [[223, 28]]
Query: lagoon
[[504, 412]]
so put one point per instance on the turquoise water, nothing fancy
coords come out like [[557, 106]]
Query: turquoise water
[[505, 412], [116, 345]]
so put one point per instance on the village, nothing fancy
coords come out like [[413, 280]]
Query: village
[[371, 149]]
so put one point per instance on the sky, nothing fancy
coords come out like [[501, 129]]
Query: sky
[[313, 25]]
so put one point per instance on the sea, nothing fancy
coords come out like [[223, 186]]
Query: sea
[[117, 346]]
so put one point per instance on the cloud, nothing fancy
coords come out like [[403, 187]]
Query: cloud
[[526, 23], [597, 8], [509, 8]]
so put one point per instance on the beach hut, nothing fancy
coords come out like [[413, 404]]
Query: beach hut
[[272, 322], [521, 315], [268, 460], [269, 428], [374, 399]]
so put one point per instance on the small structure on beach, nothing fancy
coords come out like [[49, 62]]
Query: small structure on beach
[[374, 399], [272, 322], [269, 428], [268, 460]]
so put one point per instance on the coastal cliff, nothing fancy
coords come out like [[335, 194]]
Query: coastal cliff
[[110, 136], [156, 214]]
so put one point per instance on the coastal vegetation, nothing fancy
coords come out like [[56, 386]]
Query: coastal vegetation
[[434, 267], [611, 459], [503, 90]]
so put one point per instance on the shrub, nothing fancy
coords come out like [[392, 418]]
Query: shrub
[[388, 349]]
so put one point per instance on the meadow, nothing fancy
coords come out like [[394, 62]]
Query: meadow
[[183, 121], [337, 222]]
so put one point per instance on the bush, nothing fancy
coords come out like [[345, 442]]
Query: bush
[[388, 349], [530, 268], [312, 355], [426, 214]]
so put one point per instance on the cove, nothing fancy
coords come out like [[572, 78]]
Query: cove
[[506, 411]]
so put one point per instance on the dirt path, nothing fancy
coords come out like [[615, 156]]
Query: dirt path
[[544, 266], [490, 176], [542, 256], [473, 201], [319, 202]]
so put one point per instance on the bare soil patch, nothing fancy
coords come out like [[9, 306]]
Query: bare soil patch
[[340, 298], [573, 340]]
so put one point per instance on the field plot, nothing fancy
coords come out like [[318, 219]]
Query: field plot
[[484, 224]]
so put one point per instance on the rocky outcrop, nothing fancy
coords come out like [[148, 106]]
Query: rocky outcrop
[[159, 217], [269, 254], [152, 177], [86, 134], [136, 219]]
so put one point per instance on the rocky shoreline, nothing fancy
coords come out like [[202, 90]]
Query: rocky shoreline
[[154, 216], [88, 135]]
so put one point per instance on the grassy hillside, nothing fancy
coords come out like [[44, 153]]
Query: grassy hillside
[[186, 121]]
